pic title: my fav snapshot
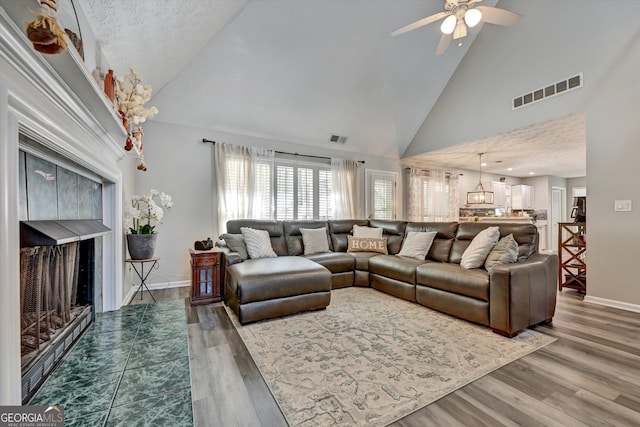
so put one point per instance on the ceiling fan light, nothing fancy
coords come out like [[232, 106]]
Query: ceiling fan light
[[448, 25], [460, 31], [472, 17]]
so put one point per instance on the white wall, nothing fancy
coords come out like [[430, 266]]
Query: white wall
[[181, 164], [503, 63]]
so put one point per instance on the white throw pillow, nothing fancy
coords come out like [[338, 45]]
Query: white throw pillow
[[481, 245], [504, 252], [417, 244], [258, 243], [315, 240], [360, 231]]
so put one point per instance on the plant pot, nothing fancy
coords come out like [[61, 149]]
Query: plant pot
[[141, 246]]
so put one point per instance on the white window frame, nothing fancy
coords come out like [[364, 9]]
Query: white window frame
[[316, 167], [370, 175]]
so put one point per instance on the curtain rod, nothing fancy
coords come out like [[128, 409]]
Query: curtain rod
[[205, 140], [427, 170]]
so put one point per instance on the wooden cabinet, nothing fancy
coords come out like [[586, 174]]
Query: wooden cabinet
[[522, 197], [572, 254], [205, 276]]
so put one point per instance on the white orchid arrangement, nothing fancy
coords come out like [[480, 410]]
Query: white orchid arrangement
[[131, 96], [146, 212]]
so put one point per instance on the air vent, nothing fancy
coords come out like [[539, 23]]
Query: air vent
[[548, 91], [338, 139]]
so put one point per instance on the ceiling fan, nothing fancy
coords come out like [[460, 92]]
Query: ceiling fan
[[458, 14]]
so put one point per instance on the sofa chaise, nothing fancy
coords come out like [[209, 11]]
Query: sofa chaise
[[508, 298]]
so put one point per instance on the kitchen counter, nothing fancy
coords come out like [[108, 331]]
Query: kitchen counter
[[501, 219]]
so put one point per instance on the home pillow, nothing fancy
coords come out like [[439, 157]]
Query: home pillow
[[417, 244], [504, 252], [235, 242], [258, 243], [315, 240], [367, 244], [481, 245], [360, 231]]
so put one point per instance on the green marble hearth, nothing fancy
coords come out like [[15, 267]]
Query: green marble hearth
[[130, 368]]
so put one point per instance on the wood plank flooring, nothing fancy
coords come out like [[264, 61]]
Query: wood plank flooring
[[590, 376]]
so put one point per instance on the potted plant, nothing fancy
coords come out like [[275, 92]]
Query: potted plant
[[141, 218]]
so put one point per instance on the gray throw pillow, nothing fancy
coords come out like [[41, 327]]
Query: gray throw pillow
[[235, 242], [504, 252], [476, 253], [315, 240], [258, 243], [417, 244]]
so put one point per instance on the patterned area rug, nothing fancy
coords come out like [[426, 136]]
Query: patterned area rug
[[370, 358]]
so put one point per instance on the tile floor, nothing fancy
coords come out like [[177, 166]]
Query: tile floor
[[131, 368]]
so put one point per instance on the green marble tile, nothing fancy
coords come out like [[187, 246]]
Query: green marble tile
[[164, 316], [112, 323], [148, 381], [93, 361], [86, 396], [172, 409], [92, 420], [95, 339], [167, 305], [161, 331], [148, 353]]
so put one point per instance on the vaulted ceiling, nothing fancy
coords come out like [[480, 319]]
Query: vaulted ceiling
[[296, 71]]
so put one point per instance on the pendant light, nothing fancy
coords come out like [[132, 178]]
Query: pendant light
[[478, 196]]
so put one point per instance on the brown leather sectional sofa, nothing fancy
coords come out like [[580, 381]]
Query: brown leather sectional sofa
[[510, 298]]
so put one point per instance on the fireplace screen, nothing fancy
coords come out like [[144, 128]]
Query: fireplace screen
[[50, 295]]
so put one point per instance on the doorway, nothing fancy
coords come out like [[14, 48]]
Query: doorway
[[558, 213]]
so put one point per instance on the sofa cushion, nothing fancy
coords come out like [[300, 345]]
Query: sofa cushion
[[359, 231], [270, 278], [293, 236], [362, 259], [477, 251], [525, 234], [258, 243], [417, 244], [275, 229], [395, 267], [367, 244], [339, 229], [235, 242], [443, 241], [393, 231], [448, 277], [504, 252], [315, 240], [335, 262]]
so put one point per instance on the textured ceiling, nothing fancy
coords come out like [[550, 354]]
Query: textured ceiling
[[157, 37], [555, 147], [299, 71]]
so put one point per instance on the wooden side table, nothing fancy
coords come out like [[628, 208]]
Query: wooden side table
[[205, 276]]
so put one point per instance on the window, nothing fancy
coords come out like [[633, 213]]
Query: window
[[432, 195], [303, 191], [381, 194], [435, 200]]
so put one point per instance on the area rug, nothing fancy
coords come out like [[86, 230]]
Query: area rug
[[370, 359]]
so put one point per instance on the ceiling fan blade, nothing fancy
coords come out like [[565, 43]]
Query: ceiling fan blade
[[420, 23], [493, 15], [444, 43]]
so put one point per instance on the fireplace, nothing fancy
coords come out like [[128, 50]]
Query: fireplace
[[58, 260]]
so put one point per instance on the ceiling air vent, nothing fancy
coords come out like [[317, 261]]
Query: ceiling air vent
[[338, 139], [548, 91]]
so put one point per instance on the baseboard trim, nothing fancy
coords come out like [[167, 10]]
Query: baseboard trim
[[167, 285], [613, 303]]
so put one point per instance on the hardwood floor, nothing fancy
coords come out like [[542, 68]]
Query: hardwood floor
[[589, 376]]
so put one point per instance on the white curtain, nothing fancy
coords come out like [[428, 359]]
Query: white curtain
[[345, 186], [243, 183], [414, 195], [432, 196]]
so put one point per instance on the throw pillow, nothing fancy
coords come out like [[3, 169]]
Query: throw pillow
[[235, 242], [504, 252], [360, 231], [258, 243], [417, 244], [315, 240], [367, 244], [481, 245]]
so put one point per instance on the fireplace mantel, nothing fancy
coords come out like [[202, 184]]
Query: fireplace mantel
[[54, 101]]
